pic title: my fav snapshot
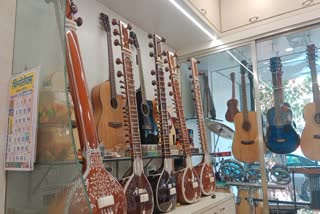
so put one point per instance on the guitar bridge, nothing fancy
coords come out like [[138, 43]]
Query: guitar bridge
[[316, 136], [115, 125], [249, 142]]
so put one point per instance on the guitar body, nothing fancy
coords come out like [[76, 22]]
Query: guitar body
[[147, 125], [206, 176], [110, 126], [164, 188], [310, 138], [138, 191], [283, 138], [232, 109], [245, 146]]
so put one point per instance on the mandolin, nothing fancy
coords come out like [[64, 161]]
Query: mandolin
[[137, 188], [107, 105], [147, 125], [282, 137], [204, 169], [163, 183], [245, 146], [105, 194], [233, 102], [188, 183], [310, 138]]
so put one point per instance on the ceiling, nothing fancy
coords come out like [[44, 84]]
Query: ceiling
[[160, 17]]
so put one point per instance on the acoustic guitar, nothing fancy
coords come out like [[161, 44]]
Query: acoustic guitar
[[310, 138], [163, 183], [233, 102], [104, 192], [107, 105], [147, 125], [204, 169], [245, 146], [137, 188], [188, 182], [282, 137]]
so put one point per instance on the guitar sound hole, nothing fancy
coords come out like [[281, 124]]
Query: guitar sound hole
[[317, 118], [145, 109], [246, 125], [114, 103]]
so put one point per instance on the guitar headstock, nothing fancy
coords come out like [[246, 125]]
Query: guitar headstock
[[71, 10], [123, 32], [275, 64], [104, 21], [134, 37], [311, 52], [232, 76], [243, 66]]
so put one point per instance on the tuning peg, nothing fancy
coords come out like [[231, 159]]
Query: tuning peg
[[198, 61], [153, 82], [114, 22], [178, 66], [79, 21], [115, 32], [164, 53], [121, 81], [155, 90], [190, 76], [160, 69], [150, 45], [116, 42], [122, 87], [189, 67], [201, 73], [192, 90], [189, 60], [165, 61], [170, 93], [118, 62], [129, 26], [119, 74], [153, 72], [73, 8], [166, 69], [150, 36], [151, 54], [169, 84], [163, 39], [122, 92], [130, 41]]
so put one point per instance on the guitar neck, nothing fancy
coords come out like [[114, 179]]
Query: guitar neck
[[244, 97], [142, 84], [315, 85], [280, 88], [111, 67], [276, 94], [233, 89]]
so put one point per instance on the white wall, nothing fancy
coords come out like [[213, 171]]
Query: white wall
[[7, 11]]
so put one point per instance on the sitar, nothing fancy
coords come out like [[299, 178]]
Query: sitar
[[105, 193], [233, 102], [147, 125], [282, 137], [188, 183], [107, 105], [137, 188], [245, 146], [204, 169], [163, 182], [310, 138]]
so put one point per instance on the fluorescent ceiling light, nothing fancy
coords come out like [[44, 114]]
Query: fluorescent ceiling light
[[192, 19], [289, 49]]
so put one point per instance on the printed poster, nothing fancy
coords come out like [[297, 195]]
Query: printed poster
[[22, 122]]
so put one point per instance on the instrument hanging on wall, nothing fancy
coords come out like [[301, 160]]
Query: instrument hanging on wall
[[105, 193], [137, 188], [163, 183], [282, 138], [204, 169], [233, 102], [310, 138], [107, 104], [210, 108], [245, 146], [188, 183], [147, 125]]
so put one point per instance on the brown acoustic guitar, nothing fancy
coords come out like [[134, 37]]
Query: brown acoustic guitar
[[107, 105], [245, 146], [137, 187], [204, 169], [310, 138], [104, 192], [188, 183], [233, 102]]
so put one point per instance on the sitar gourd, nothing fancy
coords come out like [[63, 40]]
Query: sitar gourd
[[310, 138], [245, 146], [282, 137], [233, 102], [188, 182], [137, 188], [147, 125], [107, 104], [204, 169], [104, 192], [163, 182]]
